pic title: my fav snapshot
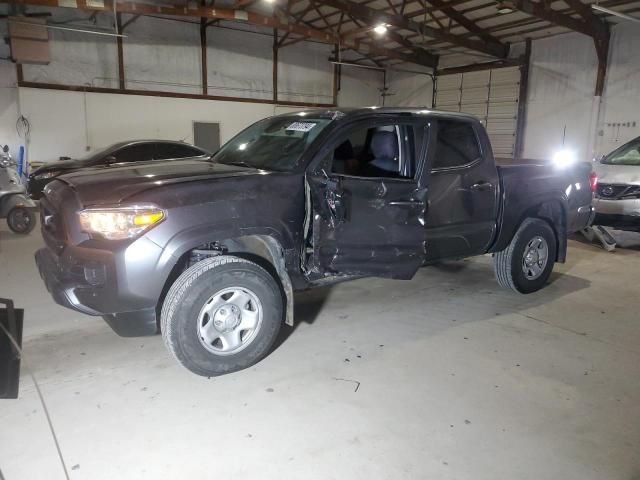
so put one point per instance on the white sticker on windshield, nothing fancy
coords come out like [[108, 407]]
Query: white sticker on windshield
[[301, 126]]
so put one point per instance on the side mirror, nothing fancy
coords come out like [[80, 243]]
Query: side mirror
[[5, 149], [64, 158], [110, 159]]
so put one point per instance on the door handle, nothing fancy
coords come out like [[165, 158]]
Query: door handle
[[482, 186], [400, 203]]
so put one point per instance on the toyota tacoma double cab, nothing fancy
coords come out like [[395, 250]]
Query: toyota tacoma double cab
[[209, 252]]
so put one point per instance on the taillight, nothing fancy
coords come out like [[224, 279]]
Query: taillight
[[593, 181]]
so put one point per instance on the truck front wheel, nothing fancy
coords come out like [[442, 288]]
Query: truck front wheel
[[221, 315], [525, 265]]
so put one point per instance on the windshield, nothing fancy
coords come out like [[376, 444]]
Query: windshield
[[628, 154], [275, 143]]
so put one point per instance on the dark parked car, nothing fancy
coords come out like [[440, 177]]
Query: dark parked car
[[118, 153], [209, 252]]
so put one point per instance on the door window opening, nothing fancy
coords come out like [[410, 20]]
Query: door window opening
[[386, 151]]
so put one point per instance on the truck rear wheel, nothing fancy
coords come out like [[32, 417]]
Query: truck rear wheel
[[525, 265], [221, 315]]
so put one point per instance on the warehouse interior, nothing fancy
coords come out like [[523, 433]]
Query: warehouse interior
[[445, 375]]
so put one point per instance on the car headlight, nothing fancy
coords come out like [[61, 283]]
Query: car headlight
[[45, 175], [119, 223]]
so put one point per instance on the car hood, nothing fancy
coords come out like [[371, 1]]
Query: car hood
[[60, 165], [114, 184], [618, 174]]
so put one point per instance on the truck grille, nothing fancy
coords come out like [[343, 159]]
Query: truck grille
[[51, 218], [612, 191]]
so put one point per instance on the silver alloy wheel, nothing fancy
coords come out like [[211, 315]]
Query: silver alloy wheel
[[535, 258], [229, 320]]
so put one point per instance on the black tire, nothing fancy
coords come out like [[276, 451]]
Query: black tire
[[508, 264], [180, 317], [21, 220]]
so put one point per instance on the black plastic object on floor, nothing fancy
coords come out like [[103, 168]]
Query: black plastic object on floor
[[10, 324]]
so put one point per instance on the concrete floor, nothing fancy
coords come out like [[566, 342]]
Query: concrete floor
[[458, 379]]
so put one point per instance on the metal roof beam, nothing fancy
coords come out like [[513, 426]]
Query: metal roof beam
[[373, 17], [253, 18]]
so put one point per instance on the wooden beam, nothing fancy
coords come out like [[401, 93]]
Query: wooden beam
[[275, 66], [251, 18], [336, 76], [545, 12], [522, 101], [374, 17], [463, 21], [581, 9], [399, 39], [152, 93], [120, 47], [203, 55], [602, 50], [476, 67], [589, 24]]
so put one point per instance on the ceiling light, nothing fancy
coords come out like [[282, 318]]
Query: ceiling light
[[380, 29]]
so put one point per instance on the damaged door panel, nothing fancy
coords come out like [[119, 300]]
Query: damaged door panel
[[369, 211]]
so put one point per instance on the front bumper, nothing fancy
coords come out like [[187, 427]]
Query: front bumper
[[121, 286], [627, 207], [622, 214]]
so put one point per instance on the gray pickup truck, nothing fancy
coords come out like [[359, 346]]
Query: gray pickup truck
[[210, 251]]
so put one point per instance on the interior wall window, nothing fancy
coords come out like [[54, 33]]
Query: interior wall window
[[457, 144], [382, 151]]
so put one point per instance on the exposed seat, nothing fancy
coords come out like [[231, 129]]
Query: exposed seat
[[384, 148]]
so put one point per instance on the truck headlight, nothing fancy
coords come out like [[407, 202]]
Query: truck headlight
[[45, 175], [119, 223]]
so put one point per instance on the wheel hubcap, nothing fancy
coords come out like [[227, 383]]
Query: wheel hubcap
[[229, 320], [21, 220], [536, 255]]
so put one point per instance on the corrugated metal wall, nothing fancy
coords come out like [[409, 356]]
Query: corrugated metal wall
[[490, 95]]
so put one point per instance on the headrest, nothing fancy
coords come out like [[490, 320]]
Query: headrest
[[384, 145]]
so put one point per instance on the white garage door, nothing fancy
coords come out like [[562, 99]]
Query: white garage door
[[490, 95]]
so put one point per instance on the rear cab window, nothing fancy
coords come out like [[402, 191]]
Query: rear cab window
[[457, 145]]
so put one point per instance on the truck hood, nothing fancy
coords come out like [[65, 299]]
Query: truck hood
[[619, 174], [114, 184]]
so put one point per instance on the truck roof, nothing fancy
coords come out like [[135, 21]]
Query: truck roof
[[352, 112]]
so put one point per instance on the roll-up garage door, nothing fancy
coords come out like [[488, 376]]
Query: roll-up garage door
[[490, 95]]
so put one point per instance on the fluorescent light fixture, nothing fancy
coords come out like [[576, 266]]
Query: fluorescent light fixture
[[564, 158], [615, 14], [504, 10], [380, 29]]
